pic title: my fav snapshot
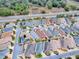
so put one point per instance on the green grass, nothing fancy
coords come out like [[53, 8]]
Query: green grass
[[38, 55]]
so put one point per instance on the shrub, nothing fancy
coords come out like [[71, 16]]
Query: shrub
[[6, 57], [12, 44], [77, 56], [25, 12], [70, 7], [56, 52], [67, 8], [68, 58], [60, 15], [21, 8], [38, 56], [13, 38], [48, 53], [43, 11], [73, 7], [10, 51], [6, 12], [60, 58]]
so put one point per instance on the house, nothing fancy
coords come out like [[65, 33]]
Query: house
[[55, 44], [68, 42], [9, 29], [39, 48], [40, 33], [5, 40], [47, 32], [30, 49], [34, 35]]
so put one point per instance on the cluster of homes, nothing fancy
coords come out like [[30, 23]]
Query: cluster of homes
[[6, 41], [55, 35], [50, 36]]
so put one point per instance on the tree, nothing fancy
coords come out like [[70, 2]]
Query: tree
[[54, 3], [25, 12], [42, 2], [26, 2], [49, 4], [58, 3], [21, 8], [67, 8], [62, 3], [35, 1]]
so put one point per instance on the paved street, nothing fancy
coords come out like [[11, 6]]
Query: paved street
[[63, 55], [14, 18], [3, 53], [17, 48]]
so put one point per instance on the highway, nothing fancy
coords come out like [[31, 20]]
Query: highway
[[14, 18]]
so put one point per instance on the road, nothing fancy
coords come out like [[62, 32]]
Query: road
[[14, 18], [3, 53], [63, 55], [16, 46]]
